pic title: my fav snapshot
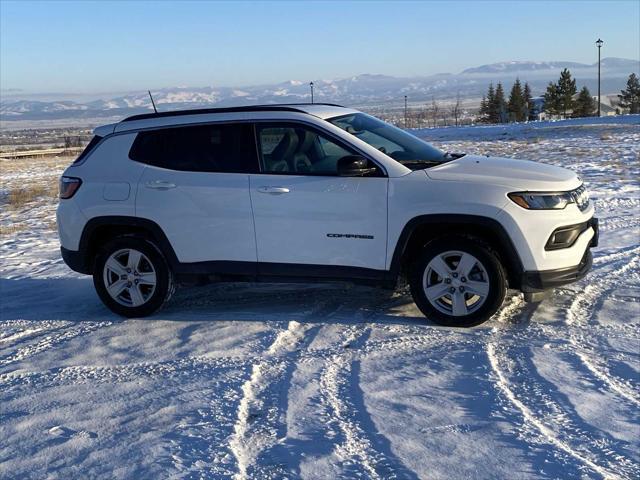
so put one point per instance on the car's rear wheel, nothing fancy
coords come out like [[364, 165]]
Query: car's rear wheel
[[132, 277], [457, 281]]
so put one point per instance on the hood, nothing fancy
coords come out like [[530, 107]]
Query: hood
[[517, 174]]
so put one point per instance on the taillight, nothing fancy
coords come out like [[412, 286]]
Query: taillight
[[69, 186]]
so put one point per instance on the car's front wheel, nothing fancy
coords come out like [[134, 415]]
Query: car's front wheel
[[132, 277], [457, 281]]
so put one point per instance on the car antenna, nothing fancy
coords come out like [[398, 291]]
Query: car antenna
[[152, 102]]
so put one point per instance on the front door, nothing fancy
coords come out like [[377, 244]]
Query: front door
[[304, 212]]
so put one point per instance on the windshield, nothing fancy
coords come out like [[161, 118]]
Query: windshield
[[394, 142]]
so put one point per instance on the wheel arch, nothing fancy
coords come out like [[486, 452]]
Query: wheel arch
[[100, 230], [423, 229]]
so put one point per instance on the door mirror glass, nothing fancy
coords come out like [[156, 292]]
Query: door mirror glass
[[355, 166]]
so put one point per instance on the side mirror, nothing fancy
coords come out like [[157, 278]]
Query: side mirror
[[354, 166]]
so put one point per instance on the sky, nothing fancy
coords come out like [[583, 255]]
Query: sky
[[119, 46]]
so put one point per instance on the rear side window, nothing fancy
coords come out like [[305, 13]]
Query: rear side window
[[204, 148], [87, 150]]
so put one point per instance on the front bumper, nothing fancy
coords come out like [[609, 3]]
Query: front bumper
[[536, 281]]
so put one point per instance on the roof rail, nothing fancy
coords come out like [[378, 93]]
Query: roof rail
[[286, 107]]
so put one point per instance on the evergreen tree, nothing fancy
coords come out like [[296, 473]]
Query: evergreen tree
[[528, 103], [566, 90], [584, 104], [516, 106], [630, 96], [551, 99], [500, 105], [484, 110], [492, 113]]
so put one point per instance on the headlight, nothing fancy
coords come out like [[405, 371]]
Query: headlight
[[542, 201], [581, 197]]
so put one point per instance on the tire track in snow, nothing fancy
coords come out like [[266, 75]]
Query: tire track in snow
[[581, 312], [21, 334], [259, 413], [359, 455], [336, 392], [548, 434], [618, 254], [571, 439], [122, 373], [260, 433]]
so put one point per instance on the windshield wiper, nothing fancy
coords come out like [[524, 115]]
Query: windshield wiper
[[454, 156]]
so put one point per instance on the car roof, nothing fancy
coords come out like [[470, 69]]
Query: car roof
[[322, 110], [184, 117]]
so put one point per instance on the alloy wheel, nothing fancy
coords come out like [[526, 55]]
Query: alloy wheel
[[129, 277], [456, 283]]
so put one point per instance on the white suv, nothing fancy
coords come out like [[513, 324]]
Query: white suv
[[315, 192]]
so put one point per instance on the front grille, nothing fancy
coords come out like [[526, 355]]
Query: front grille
[[581, 197]]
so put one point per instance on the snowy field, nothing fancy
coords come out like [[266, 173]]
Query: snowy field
[[333, 381]]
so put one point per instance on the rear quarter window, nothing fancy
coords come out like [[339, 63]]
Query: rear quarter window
[[87, 150]]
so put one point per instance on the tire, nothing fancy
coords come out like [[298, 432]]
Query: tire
[[140, 291], [457, 281]]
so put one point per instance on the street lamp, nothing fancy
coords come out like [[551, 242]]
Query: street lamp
[[599, 45], [311, 85], [405, 111]]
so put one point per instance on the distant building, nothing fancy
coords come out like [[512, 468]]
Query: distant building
[[609, 105], [538, 109]]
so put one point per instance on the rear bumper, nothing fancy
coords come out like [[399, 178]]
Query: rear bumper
[[542, 280], [75, 260]]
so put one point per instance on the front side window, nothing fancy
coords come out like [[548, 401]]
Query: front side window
[[298, 150], [228, 148], [394, 142]]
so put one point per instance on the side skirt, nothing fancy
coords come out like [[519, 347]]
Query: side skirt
[[281, 273]]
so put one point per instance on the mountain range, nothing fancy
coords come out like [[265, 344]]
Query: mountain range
[[365, 90]]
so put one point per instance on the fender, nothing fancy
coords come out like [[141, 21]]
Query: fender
[[152, 228], [513, 263]]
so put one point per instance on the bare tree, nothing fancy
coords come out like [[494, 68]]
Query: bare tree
[[455, 109], [435, 108]]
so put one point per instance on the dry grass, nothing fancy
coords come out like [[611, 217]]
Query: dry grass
[[12, 229], [55, 165], [19, 197], [17, 227]]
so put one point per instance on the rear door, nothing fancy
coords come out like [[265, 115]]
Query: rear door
[[196, 188], [304, 212]]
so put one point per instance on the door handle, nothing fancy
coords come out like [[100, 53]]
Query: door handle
[[273, 190], [160, 185]]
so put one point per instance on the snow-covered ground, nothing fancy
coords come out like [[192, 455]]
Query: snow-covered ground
[[330, 381]]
